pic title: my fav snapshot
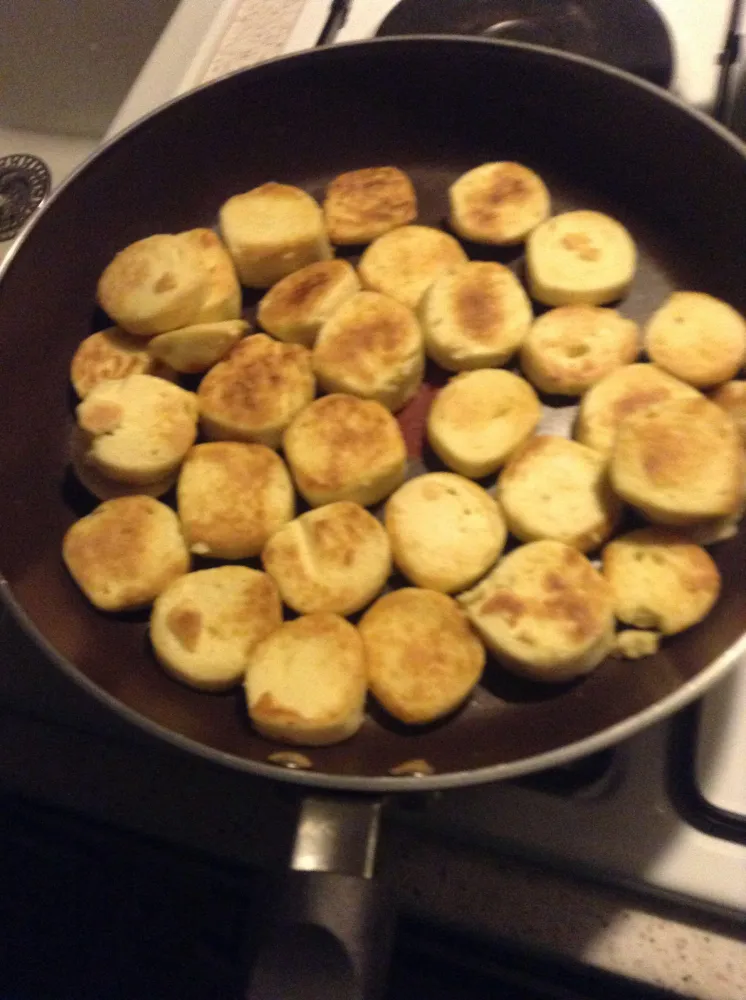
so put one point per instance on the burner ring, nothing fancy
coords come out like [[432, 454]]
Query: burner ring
[[24, 183], [629, 34]]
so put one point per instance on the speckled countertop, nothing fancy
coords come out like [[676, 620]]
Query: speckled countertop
[[660, 943]]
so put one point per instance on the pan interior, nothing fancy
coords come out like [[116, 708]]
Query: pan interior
[[435, 108]]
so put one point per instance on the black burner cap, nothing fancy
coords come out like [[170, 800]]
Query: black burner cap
[[24, 183], [628, 34]]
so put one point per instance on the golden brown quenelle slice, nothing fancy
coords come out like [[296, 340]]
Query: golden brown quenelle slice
[[423, 658], [660, 580], [698, 338], [404, 263], [306, 681], [138, 428], [559, 489], [344, 448], [124, 553], [544, 612], [271, 231], [475, 316], [580, 257], [194, 349], [361, 205], [295, 309], [231, 497], [335, 558], [498, 203], [204, 625], [571, 348], [154, 285], [112, 354], [679, 462], [255, 391], [371, 347], [480, 418], [445, 531]]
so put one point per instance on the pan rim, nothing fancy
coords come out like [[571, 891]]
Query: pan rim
[[607, 737], [393, 41], [386, 784]]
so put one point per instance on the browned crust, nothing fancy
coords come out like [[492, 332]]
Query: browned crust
[[363, 204], [569, 598], [246, 388], [345, 434]]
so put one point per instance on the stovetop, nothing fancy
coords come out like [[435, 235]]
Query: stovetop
[[665, 812], [697, 29]]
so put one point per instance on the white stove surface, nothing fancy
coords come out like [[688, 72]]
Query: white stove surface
[[626, 829], [697, 29], [721, 753]]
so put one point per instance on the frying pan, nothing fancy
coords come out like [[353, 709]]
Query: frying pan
[[435, 107]]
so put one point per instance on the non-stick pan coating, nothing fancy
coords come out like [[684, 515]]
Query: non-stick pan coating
[[434, 107]]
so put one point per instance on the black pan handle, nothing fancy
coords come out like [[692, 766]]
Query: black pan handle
[[330, 924]]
